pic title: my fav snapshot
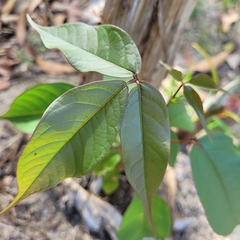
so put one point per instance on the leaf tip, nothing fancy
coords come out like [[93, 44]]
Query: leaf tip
[[12, 204]]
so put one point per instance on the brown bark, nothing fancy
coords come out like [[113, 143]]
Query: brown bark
[[155, 26]]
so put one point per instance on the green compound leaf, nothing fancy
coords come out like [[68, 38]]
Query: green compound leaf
[[174, 149], [216, 171], [75, 133], [178, 116], [27, 109], [145, 136], [204, 81], [105, 48], [135, 226], [195, 101]]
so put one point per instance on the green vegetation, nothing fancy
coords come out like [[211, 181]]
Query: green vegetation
[[79, 127]]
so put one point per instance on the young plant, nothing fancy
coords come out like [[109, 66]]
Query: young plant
[[80, 124]]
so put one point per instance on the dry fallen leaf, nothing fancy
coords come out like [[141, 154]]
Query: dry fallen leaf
[[54, 67], [8, 19], [33, 4], [21, 31], [4, 84], [59, 18], [5, 74], [228, 19], [8, 7], [216, 60], [233, 60]]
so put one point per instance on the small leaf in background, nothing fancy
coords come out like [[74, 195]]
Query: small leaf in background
[[195, 101], [117, 140], [178, 116], [207, 64], [27, 109], [111, 181], [145, 137], [135, 226], [177, 75], [215, 124], [74, 134], [203, 80], [108, 163], [216, 171], [105, 48], [173, 149]]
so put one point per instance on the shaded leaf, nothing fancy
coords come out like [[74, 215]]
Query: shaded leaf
[[27, 109], [74, 134], [108, 163], [178, 116], [104, 48], [195, 101], [203, 80], [111, 181], [174, 149], [216, 171], [135, 226], [145, 137]]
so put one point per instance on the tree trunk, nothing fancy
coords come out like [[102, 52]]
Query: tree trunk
[[155, 26]]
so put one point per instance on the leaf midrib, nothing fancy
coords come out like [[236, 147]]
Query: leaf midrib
[[142, 140], [65, 42], [78, 129]]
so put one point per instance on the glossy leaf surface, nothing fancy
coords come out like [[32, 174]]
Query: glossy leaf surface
[[135, 226], [145, 136], [178, 116], [195, 101], [27, 109], [204, 81], [216, 171], [104, 48], [74, 134]]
